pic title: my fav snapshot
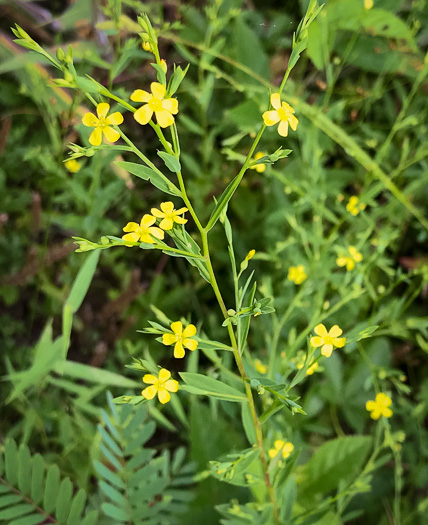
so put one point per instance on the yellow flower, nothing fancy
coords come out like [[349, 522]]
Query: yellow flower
[[164, 109], [250, 255], [349, 260], [102, 124], [181, 338], [282, 113], [297, 274], [353, 207], [147, 47], [163, 65], [368, 4], [281, 447], [144, 231], [260, 168], [300, 359], [379, 407], [161, 385], [73, 166], [169, 215], [328, 340], [260, 367]]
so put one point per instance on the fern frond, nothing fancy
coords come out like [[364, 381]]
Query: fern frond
[[140, 488], [32, 492]]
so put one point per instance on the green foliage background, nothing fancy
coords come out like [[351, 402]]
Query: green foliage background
[[359, 92]]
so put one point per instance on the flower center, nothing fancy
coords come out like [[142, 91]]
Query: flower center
[[328, 340], [102, 123], [155, 104], [285, 111]]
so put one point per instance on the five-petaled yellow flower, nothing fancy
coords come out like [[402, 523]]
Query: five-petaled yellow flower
[[349, 260], [260, 168], [297, 274], [169, 215], [181, 338], [328, 340], [73, 165], [163, 108], [281, 447], [379, 407], [354, 207], [282, 113], [143, 232], [102, 124], [161, 385]]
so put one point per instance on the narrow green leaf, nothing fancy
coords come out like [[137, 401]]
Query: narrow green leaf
[[109, 424], [51, 489], [110, 457], [33, 519], [9, 499], [82, 281], [171, 162], [107, 474], [94, 375], [24, 470], [109, 441], [76, 509], [114, 512], [90, 519], [145, 173], [11, 461], [63, 501], [203, 385], [37, 485], [15, 512], [114, 495], [223, 201], [143, 435]]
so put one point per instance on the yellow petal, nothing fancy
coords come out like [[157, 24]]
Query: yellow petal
[[96, 137], [350, 264], [270, 117], [321, 330], [317, 341], [150, 379], [147, 220], [272, 453], [167, 207], [326, 350], [158, 90], [171, 385], [275, 100], [370, 405], [90, 120], [115, 119], [189, 331], [157, 232], [131, 227], [283, 128], [166, 224], [140, 95], [339, 343], [157, 213], [169, 339], [164, 396], [181, 211], [143, 114], [375, 413], [191, 344], [279, 444], [293, 122], [179, 350], [387, 412], [177, 328], [111, 134], [145, 237], [164, 375], [131, 237], [171, 105], [341, 261], [180, 220], [103, 109], [149, 392], [164, 118], [335, 331]]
